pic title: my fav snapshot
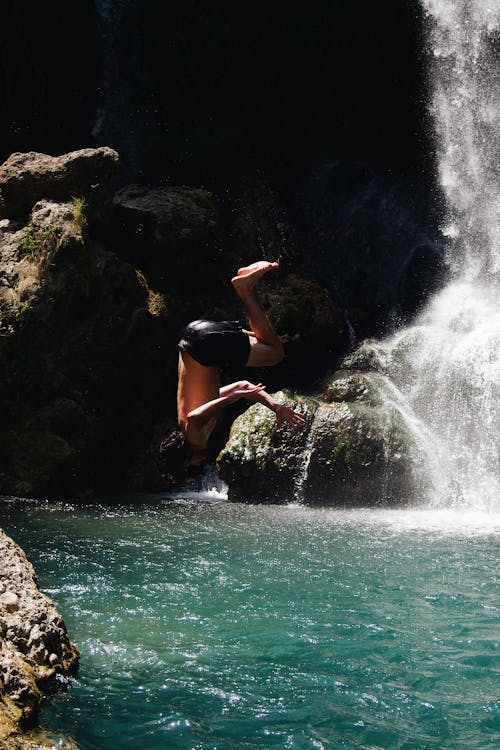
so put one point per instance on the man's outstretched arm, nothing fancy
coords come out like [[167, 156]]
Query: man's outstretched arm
[[284, 413], [228, 395], [244, 389]]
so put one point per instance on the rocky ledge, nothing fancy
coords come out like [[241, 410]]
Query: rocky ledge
[[97, 284], [95, 288], [355, 449], [34, 648]]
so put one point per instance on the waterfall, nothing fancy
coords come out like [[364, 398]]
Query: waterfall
[[446, 366], [115, 121]]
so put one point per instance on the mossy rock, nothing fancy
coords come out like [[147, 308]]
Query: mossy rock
[[259, 462], [355, 450], [361, 455], [368, 357]]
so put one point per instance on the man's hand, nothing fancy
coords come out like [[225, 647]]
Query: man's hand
[[285, 414], [244, 389]]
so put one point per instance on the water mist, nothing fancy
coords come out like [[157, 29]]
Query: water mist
[[446, 367]]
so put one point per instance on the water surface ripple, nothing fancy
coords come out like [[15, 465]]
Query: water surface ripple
[[212, 626]]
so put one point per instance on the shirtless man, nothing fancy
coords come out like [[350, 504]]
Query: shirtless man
[[205, 347]]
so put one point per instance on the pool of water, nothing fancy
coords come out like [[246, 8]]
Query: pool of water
[[204, 625]]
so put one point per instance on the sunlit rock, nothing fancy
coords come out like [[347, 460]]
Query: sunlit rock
[[34, 644], [261, 463], [26, 178], [356, 449]]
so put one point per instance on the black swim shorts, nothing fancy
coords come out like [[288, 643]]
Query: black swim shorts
[[216, 343]]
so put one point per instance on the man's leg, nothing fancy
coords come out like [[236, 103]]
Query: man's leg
[[265, 346]]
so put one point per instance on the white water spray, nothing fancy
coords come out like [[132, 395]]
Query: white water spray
[[447, 366]]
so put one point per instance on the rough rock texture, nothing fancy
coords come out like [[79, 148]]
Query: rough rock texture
[[95, 290], [26, 178], [91, 309], [259, 462], [34, 643], [37, 739], [355, 449], [72, 317]]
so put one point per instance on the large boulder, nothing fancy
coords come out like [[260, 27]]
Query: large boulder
[[362, 451], [168, 214], [356, 448], [81, 336], [174, 235], [34, 644], [260, 463], [26, 178], [91, 308]]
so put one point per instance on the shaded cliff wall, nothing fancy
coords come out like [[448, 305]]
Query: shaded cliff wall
[[49, 74], [195, 93]]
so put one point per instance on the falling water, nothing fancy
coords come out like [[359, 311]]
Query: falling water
[[115, 118], [447, 365]]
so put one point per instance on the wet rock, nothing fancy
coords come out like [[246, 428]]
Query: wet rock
[[360, 455], [365, 358], [34, 644], [356, 449], [261, 463]]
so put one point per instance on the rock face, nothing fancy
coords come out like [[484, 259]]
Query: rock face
[[34, 643], [355, 449], [96, 287], [72, 314], [93, 297], [368, 238], [27, 178]]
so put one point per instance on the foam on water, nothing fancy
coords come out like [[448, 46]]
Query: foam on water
[[446, 367]]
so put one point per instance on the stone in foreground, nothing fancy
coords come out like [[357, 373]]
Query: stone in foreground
[[34, 644]]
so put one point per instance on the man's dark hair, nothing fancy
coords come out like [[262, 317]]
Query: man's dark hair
[[174, 453]]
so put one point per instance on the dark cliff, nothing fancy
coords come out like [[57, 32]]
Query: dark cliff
[[201, 94], [259, 132]]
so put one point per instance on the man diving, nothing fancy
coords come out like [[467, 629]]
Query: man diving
[[204, 349]]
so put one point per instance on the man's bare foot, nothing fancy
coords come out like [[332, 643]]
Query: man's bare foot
[[249, 275], [264, 265]]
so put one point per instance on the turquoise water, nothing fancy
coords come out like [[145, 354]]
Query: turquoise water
[[205, 625]]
